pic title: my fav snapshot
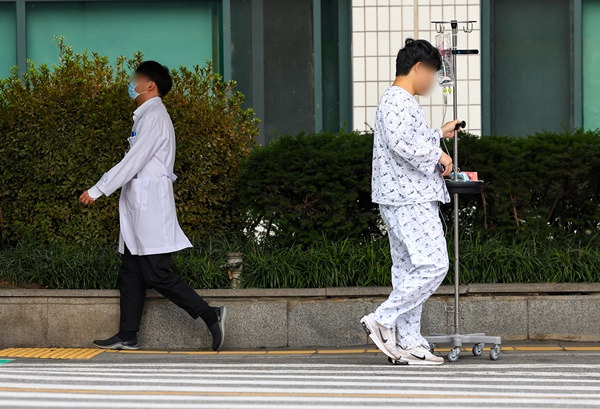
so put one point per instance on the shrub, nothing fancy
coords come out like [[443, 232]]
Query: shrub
[[61, 128], [301, 189], [311, 186], [547, 182]]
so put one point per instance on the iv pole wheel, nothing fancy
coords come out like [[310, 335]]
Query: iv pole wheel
[[432, 348], [477, 349], [495, 352], [454, 354]]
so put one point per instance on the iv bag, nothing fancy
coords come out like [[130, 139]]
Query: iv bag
[[446, 73]]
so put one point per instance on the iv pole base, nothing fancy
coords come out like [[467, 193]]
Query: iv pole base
[[457, 340]]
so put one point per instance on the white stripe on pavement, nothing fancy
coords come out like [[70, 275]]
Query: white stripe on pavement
[[366, 384], [282, 386], [242, 405], [387, 369], [313, 401], [536, 377], [277, 373], [284, 405], [291, 389]]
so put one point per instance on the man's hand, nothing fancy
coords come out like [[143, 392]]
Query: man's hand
[[446, 162], [448, 128], [86, 199]]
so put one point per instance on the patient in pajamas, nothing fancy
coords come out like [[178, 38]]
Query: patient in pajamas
[[408, 184]]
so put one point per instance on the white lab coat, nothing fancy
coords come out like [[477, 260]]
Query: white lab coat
[[147, 214]]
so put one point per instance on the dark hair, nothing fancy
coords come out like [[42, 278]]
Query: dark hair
[[159, 74], [415, 51]]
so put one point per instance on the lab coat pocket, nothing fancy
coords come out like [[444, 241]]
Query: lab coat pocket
[[137, 194]]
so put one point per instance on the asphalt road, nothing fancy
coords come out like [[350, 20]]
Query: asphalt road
[[550, 379]]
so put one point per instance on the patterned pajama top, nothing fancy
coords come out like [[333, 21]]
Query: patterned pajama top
[[406, 153]]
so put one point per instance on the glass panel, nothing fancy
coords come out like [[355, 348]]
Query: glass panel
[[241, 47], [331, 65], [288, 63], [288, 73], [591, 64], [8, 34], [174, 33], [531, 66]]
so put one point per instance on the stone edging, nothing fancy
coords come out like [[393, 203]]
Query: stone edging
[[298, 318]]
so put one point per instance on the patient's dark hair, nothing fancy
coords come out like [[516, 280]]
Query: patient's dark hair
[[415, 51]]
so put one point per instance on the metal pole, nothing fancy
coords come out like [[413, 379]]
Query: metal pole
[[454, 25], [21, 16], [258, 65], [226, 70], [318, 65]]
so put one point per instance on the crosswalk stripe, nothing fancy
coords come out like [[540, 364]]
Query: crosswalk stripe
[[287, 392], [275, 385], [240, 402], [234, 369], [259, 383], [265, 375], [309, 390], [288, 405]]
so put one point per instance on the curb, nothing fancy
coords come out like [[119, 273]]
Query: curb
[[299, 319]]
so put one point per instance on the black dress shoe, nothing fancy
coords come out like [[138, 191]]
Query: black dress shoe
[[116, 343], [218, 328]]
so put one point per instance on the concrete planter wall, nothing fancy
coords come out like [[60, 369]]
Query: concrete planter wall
[[265, 318]]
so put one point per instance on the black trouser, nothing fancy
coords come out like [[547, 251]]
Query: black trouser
[[137, 273]]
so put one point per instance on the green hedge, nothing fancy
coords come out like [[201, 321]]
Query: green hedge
[[61, 128], [546, 183], [324, 263], [313, 190], [299, 189]]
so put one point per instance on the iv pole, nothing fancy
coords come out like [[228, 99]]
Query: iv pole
[[454, 186]]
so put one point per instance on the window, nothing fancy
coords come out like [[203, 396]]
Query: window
[[174, 33], [591, 64], [292, 60], [335, 65], [531, 72], [8, 34]]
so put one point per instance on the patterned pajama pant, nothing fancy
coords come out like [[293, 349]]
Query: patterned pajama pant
[[420, 263]]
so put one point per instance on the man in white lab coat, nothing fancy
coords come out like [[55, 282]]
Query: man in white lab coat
[[408, 183], [148, 220]]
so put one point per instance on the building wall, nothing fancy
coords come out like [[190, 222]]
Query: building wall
[[379, 28]]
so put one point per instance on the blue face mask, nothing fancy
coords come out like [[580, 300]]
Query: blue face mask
[[133, 94]]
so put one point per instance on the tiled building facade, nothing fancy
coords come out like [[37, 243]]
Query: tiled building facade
[[379, 28]]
